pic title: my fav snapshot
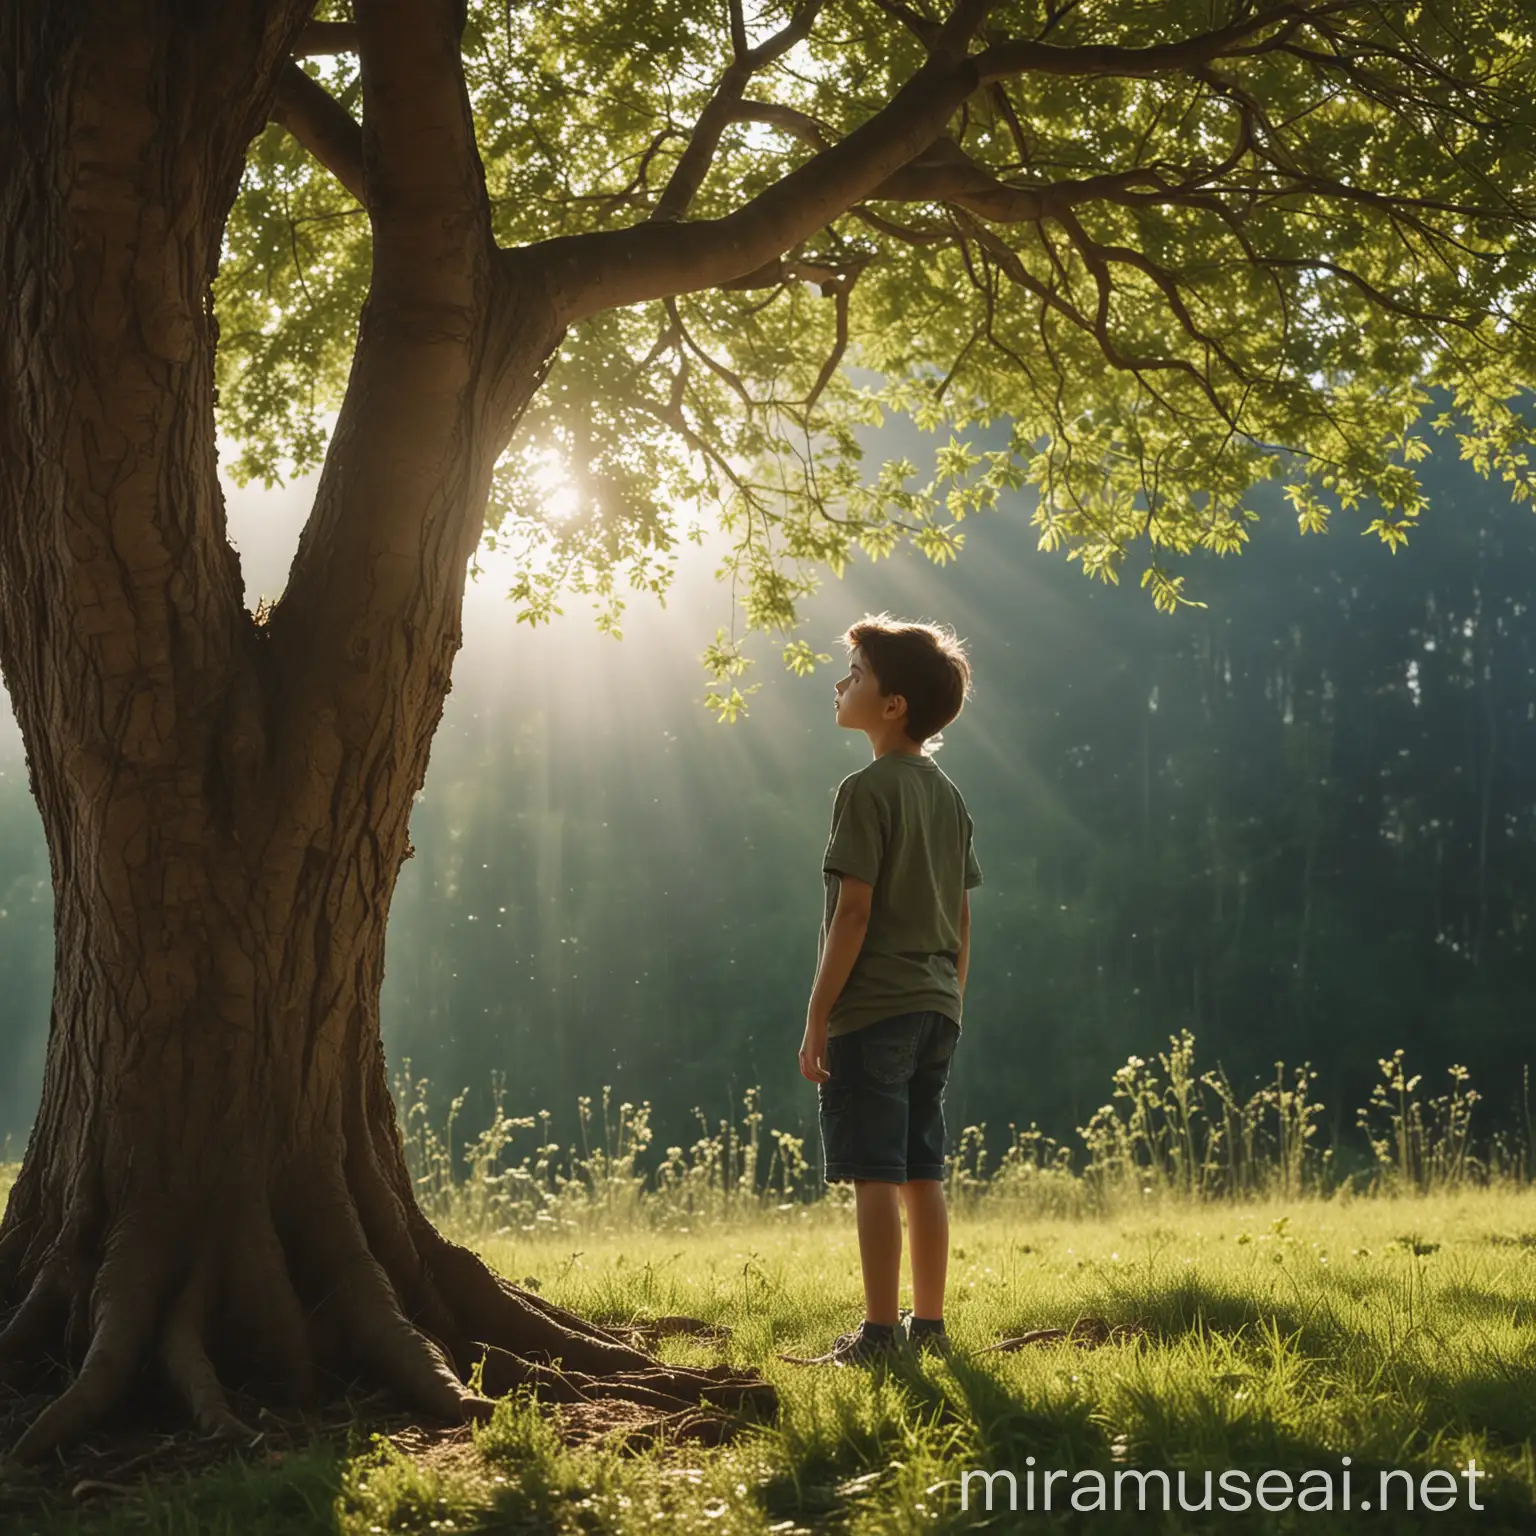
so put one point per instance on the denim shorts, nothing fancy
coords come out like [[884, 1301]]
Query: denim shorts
[[882, 1108]]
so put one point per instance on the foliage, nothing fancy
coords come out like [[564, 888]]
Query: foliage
[[601, 1183], [1426, 1146], [1175, 1136], [1249, 267]]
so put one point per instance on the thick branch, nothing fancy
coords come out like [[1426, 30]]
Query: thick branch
[[426, 186], [945, 173], [1022, 56], [880, 158], [322, 125], [613, 268], [920, 26]]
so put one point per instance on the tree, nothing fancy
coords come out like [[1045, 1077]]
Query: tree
[[1169, 245]]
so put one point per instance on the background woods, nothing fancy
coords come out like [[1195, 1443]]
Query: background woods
[[1299, 821]]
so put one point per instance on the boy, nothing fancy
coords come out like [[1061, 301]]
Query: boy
[[884, 1015]]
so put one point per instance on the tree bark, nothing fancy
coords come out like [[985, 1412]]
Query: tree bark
[[215, 1187]]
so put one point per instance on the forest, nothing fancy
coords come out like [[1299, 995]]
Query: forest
[[1299, 821]]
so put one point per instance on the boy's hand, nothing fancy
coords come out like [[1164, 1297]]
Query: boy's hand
[[813, 1052]]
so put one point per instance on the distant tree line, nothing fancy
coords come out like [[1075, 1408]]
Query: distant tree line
[[1300, 822]]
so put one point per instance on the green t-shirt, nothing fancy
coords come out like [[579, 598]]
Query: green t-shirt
[[901, 824]]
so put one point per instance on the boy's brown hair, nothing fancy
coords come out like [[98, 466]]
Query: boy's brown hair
[[925, 663]]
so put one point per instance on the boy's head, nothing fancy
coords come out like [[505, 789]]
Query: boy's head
[[922, 668]]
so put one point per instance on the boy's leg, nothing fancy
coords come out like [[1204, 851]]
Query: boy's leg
[[923, 1193], [879, 1225], [928, 1235], [865, 1135]]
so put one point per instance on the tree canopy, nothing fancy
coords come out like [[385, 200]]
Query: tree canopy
[[1174, 250]]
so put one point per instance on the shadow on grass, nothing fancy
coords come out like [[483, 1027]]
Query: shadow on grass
[[292, 1498], [845, 1453], [1191, 1305], [1193, 1432]]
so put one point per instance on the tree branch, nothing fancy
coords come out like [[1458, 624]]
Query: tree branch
[[924, 28], [612, 268], [841, 291], [790, 119], [906, 233], [322, 125], [883, 157], [1098, 326], [945, 173], [690, 171], [1022, 56], [426, 186]]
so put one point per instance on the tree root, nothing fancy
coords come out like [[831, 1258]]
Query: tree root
[[12, 1242], [258, 1290], [188, 1366], [32, 1324], [276, 1291], [497, 1312], [637, 1430], [651, 1330], [382, 1338], [127, 1290], [674, 1388]]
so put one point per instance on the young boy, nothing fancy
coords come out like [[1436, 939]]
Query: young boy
[[884, 1015]]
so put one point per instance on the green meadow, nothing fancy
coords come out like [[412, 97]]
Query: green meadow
[[1249, 1314]]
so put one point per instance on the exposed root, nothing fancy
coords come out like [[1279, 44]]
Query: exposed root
[[629, 1428], [493, 1311], [381, 1337], [16, 1221], [503, 1372], [188, 1366], [528, 1339], [12, 1243], [381, 1210], [128, 1288], [438, 1323], [388, 1235], [670, 1388], [258, 1290], [327, 1275], [33, 1323], [1086, 1333]]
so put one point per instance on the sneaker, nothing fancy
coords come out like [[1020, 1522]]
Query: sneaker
[[860, 1347], [933, 1341]]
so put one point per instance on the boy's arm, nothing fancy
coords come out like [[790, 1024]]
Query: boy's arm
[[845, 938], [965, 940]]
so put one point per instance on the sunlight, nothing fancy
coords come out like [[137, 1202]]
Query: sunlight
[[559, 498]]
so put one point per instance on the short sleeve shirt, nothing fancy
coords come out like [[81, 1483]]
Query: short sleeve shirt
[[901, 824]]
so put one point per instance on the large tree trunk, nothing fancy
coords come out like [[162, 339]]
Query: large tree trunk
[[214, 1188]]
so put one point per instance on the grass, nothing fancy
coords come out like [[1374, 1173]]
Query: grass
[[1281, 1315], [1278, 1335]]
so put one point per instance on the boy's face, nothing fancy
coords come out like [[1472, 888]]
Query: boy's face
[[860, 705]]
